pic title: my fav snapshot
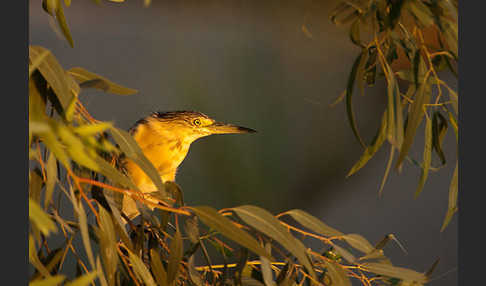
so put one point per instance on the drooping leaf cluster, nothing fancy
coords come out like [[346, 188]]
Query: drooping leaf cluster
[[409, 45]]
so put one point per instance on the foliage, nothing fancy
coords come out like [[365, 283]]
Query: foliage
[[74, 157], [408, 43]]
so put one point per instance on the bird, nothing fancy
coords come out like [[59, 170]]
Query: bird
[[165, 139]]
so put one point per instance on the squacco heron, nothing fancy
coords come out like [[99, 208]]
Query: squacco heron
[[165, 138]]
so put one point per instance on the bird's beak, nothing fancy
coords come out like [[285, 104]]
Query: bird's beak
[[222, 128]]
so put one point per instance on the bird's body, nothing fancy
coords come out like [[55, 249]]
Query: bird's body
[[165, 139]]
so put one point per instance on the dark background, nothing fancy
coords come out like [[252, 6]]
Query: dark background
[[249, 63]]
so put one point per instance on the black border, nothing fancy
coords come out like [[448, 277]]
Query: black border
[[14, 158]]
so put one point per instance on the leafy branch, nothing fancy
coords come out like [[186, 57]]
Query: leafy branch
[[408, 43]]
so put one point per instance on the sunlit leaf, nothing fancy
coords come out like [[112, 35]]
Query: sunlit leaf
[[40, 218], [266, 268], [53, 73], [393, 271], [92, 129], [387, 170], [131, 149], [50, 281], [358, 242], [34, 259], [108, 245], [266, 223], [82, 75], [84, 280], [313, 223], [51, 173], [215, 220], [83, 226], [36, 60]]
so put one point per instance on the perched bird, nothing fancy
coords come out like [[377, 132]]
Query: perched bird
[[165, 138]]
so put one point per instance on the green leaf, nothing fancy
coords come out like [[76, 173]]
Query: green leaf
[[131, 149], [358, 64], [140, 269], [452, 209], [82, 75], [416, 115], [157, 267], [76, 148], [266, 268], [83, 227], [337, 274], [113, 174], [54, 74], [51, 173], [266, 223], [313, 223], [34, 259], [108, 245], [174, 259], [387, 170], [215, 220], [358, 242], [50, 281], [37, 60], [371, 150], [439, 128], [84, 280], [61, 19], [427, 156], [42, 221], [393, 271]]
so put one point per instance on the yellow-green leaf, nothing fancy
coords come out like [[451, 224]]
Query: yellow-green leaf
[[50, 281], [266, 223], [416, 115], [140, 269], [337, 274], [313, 223], [51, 172], [131, 149], [393, 271], [82, 75], [84, 280], [453, 190], [40, 218], [370, 151], [427, 156], [157, 267], [215, 220], [61, 19], [358, 242]]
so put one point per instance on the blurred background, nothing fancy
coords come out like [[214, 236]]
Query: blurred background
[[250, 63]]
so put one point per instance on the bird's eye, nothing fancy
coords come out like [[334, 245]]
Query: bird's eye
[[197, 122]]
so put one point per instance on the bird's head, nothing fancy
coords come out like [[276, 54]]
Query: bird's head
[[189, 125]]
